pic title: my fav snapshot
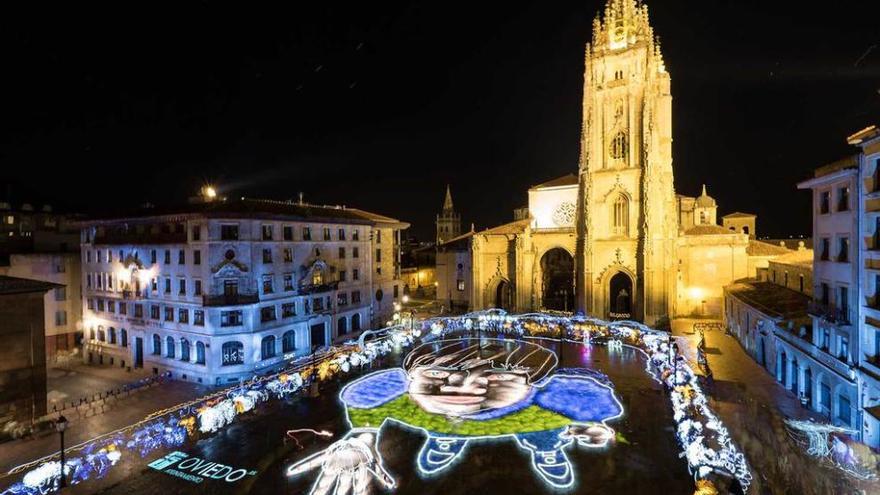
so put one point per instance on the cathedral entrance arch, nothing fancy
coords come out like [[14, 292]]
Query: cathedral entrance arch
[[503, 299], [557, 281], [620, 292]]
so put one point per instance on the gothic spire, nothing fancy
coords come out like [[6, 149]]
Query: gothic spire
[[447, 203]]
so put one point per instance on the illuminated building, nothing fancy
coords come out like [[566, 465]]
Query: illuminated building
[[448, 221], [613, 240], [221, 289]]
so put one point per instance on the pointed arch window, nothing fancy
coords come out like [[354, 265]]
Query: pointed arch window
[[620, 216], [618, 146]]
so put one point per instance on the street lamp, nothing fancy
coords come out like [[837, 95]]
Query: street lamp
[[60, 426], [405, 299]]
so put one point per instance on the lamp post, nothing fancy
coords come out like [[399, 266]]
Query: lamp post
[[675, 363], [60, 426]]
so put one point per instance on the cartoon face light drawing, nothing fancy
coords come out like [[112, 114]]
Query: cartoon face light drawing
[[454, 391]]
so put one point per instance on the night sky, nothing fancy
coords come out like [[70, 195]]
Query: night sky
[[380, 104]]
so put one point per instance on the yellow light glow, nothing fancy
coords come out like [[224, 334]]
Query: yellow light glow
[[209, 192], [695, 293]]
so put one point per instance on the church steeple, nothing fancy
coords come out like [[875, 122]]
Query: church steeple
[[448, 221]]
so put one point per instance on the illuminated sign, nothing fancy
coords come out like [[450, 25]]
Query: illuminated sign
[[197, 470]]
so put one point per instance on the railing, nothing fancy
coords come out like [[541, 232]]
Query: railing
[[134, 295], [315, 289], [829, 312], [229, 299]]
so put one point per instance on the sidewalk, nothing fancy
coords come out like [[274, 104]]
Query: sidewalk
[[126, 412], [753, 406], [78, 380]]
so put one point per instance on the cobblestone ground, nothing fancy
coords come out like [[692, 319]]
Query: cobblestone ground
[[753, 406], [76, 380]]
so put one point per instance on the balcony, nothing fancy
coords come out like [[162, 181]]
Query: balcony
[[829, 312], [132, 295], [318, 288], [229, 299]]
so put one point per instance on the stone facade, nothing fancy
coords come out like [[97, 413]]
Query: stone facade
[[215, 293]]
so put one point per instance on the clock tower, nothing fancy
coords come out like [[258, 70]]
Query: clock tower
[[626, 212]]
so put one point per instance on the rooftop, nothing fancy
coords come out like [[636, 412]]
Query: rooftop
[[760, 248], [842, 164], [15, 285], [708, 230], [248, 208], [739, 214], [803, 257], [771, 299], [565, 180]]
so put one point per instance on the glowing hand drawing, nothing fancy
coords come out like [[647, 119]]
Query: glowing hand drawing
[[349, 465]]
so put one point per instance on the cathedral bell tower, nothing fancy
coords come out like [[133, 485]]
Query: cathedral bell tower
[[626, 214], [448, 221]]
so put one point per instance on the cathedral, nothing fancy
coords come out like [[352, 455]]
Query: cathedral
[[613, 240]]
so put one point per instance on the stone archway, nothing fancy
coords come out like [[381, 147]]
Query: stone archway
[[557, 280], [503, 296], [620, 297]]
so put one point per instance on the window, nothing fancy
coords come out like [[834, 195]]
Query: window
[[825, 339], [230, 319], [825, 292], [267, 284], [844, 410], [169, 347], [169, 313], [355, 252], [785, 279], [229, 232], [326, 233], [61, 293], [200, 353], [89, 280], [843, 302], [181, 257], [233, 353], [341, 234], [288, 341], [155, 284], [355, 235], [167, 257], [196, 233], [267, 347], [355, 274], [90, 303], [306, 306], [138, 311], [168, 286], [154, 311], [287, 232], [355, 296], [199, 317], [843, 348], [123, 308], [342, 299], [102, 335], [99, 256], [157, 345], [288, 255], [183, 315], [111, 306], [153, 256], [396, 291], [197, 287], [288, 310], [267, 232], [184, 350], [342, 275], [843, 198], [341, 252], [843, 250], [181, 287], [197, 257], [288, 282], [109, 281], [824, 202], [341, 326], [378, 237], [100, 305], [618, 146], [800, 283], [111, 334], [460, 284], [60, 318], [307, 234], [123, 337], [825, 249], [318, 304], [88, 255], [620, 216], [378, 255], [355, 322], [267, 313], [267, 255]]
